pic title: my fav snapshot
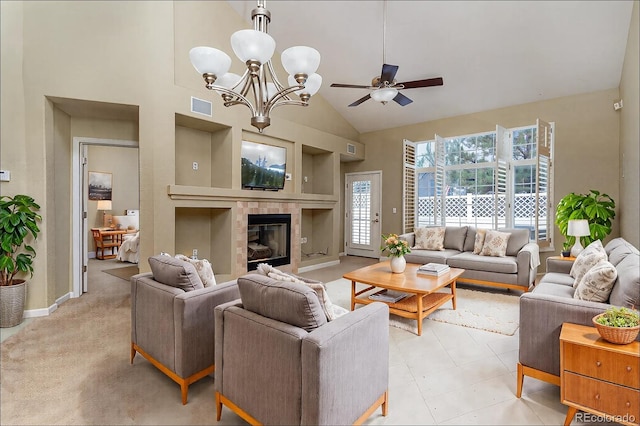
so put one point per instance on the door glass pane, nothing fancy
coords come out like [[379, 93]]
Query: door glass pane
[[361, 213]]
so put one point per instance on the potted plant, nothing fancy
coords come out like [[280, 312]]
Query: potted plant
[[18, 225], [598, 209], [618, 325], [566, 248], [396, 249]]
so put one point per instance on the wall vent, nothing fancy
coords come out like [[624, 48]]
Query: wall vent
[[351, 148], [201, 106]]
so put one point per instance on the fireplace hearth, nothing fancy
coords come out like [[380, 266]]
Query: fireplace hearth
[[268, 240]]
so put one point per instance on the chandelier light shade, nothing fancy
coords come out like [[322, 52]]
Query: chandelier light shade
[[255, 49], [384, 94]]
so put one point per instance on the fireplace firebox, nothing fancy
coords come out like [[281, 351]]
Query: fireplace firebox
[[268, 240]]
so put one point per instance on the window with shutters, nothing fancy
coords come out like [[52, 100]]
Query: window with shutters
[[486, 180]]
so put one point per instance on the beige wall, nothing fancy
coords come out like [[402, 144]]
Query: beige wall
[[630, 136], [586, 146]]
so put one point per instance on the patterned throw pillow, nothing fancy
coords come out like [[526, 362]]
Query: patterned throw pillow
[[586, 260], [597, 283], [431, 238], [495, 243], [203, 268], [479, 242]]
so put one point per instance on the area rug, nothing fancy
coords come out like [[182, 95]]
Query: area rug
[[483, 310], [124, 273]]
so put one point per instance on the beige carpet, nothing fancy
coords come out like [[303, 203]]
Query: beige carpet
[[483, 310], [125, 272]]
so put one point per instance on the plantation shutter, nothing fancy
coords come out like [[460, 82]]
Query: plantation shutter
[[439, 212], [501, 180], [543, 206], [409, 187]]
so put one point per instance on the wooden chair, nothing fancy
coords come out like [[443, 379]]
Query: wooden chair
[[105, 242]]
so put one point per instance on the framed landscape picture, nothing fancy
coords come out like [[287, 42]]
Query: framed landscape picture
[[99, 186]]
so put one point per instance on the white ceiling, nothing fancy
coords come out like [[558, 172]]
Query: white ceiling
[[491, 54]]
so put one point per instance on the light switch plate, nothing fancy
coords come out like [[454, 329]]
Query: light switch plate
[[5, 175]]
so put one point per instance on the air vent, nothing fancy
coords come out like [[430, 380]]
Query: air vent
[[201, 106], [351, 148]]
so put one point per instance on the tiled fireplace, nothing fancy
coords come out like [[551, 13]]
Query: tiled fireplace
[[265, 229]]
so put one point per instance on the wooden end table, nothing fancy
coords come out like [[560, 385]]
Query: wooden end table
[[599, 377], [423, 289]]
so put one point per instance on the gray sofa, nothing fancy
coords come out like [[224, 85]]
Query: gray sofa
[[551, 303], [278, 360], [516, 270], [172, 321]]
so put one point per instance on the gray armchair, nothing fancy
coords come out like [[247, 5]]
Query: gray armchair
[[173, 328], [278, 360]]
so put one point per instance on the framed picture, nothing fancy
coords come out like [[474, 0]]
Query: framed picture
[[99, 186]]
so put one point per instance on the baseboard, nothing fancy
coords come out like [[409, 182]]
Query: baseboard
[[318, 266], [91, 255], [43, 312]]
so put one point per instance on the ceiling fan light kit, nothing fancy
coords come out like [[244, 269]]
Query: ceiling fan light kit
[[255, 49], [384, 94]]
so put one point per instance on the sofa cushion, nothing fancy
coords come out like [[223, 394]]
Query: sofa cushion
[[626, 290], [431, 238], [519, 237], [586, 260], [552, 289], [495, 243], [556, 278], [596, 284], [429, 256], [175, 272], [470, 240], [203, 268], [470, 261], [617, 249], [283, 301], [454, 237], [479, 241]]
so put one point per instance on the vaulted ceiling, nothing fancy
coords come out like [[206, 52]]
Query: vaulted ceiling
[[491, 54]]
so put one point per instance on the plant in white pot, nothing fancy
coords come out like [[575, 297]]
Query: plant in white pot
[[18, 226]]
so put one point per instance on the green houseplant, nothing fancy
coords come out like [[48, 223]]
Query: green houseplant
[[598, 209], [618, 325], [18, 225]]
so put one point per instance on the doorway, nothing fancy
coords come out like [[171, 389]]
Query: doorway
[[363, 221], [82, 224]]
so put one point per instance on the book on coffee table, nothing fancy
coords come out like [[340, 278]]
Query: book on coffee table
[[389, 296], [435, 269]]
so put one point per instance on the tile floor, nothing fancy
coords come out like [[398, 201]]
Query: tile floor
[[450, 375]]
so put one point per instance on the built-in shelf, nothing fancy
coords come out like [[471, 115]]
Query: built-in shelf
[[316, 226], [317, 171]]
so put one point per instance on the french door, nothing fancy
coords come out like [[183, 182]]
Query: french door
[[362, 214]]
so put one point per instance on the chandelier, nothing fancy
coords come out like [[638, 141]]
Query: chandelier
[[259, 82]]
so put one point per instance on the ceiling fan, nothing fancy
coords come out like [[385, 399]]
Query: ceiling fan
[[384, 87]]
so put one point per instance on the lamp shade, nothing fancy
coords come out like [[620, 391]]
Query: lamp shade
[[104, 205], [311, 87], [253, 45], [300, 60], [207, 60], [385, 94], [578, 228], [227, 81]]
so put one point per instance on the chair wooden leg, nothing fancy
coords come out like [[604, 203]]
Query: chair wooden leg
[[133, 352], [218, 407], [385, 409], [519, 381], [184, 390]]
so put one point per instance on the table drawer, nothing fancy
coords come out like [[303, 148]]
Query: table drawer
[[610, 366], [601, 396]]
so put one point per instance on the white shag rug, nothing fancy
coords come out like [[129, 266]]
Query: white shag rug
[[494, 312]]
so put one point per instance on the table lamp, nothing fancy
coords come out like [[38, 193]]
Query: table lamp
[[578, 228], [104, 205]]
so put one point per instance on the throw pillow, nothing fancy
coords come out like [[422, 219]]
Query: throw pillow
[[597, 283], [175, 272], [495, 243], [203, 268], [431, 238], [479, 242], [586, 260], [330, 310]]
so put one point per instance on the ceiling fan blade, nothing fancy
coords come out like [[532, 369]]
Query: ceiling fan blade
[[351, 86], [388, 73], [361, 100], [423, 83], [402, 99]]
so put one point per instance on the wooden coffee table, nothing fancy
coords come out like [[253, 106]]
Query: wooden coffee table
[[423, 289]]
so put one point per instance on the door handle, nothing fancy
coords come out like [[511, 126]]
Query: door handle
[[375, 220]]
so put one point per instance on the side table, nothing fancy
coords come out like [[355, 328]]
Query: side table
[[599, 377]]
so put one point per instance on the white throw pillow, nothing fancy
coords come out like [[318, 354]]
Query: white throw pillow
[[495, 243], [431, 238], [597, 283], [203, 268], [587, 259], [479, 241]]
